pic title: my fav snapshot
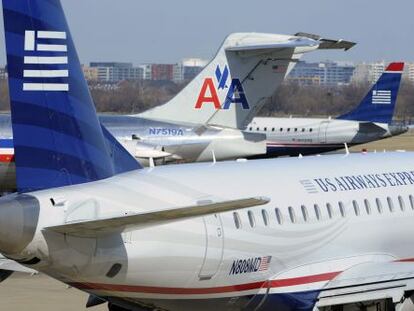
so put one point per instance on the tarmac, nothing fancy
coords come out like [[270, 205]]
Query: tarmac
[[400, 143], [22, 292]]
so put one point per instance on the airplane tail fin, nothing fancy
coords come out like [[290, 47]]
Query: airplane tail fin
[[58, 139], [379, 104], [247, 69]]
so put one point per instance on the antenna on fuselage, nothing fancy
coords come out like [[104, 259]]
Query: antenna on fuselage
[[346, 149], [214, 156], [151, 163]]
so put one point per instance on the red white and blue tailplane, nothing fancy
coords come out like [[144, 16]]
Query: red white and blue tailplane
[[58, 139], [379, 104]]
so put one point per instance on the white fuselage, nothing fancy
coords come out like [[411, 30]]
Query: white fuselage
[[208, 263], [293, 136]]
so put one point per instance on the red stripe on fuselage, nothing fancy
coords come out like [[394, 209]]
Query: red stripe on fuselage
[[406, 260], [306, 145], [168, 290], [301, 280], [208, 290], [6, 158]]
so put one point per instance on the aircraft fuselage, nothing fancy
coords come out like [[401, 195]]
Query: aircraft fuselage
[[280, 254], [294, 136]]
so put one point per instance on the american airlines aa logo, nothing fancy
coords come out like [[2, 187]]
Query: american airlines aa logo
[[45, 61], [209, 91]]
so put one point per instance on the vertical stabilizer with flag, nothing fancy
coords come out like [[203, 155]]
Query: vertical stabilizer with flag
[[58, 139], [379, 104]]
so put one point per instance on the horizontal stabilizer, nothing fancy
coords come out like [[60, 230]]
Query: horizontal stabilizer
[[328, 44], [11, 265], [371, 127], [296, 43], [140, 149], [106, 226]]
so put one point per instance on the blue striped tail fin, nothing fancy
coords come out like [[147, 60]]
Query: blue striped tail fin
[[58, 139], [379, 104]]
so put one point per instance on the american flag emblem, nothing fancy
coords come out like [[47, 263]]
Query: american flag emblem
[[309, 186], [46, 59], [382, 97], [265, 262]]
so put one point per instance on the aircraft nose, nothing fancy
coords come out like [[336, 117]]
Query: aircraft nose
[[19, 216]]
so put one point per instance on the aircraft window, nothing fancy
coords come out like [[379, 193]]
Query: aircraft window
[[304, 213], [367, 206], [273, 129], [317, 211], [288, 129], [379, 205], [265, 216], [342, 209], [258, 129], [237, 221], [401, 202], [250, 129], [303, 130], [329, 209], [310, 130], [281, 129], [292, 214], [356, 207], [411, 198], [252, 221], [390, 204], [296, 129], [265, 129], [279, 217]]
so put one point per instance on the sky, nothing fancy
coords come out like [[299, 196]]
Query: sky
[[165, 31]]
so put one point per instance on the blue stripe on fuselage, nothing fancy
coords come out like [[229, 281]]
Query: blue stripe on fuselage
[[6, 143]]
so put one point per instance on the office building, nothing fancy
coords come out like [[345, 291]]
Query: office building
[[322, 73], [112, 72]]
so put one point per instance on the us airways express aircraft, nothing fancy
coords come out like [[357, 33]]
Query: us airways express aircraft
[[285, 234], [371, 120]]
